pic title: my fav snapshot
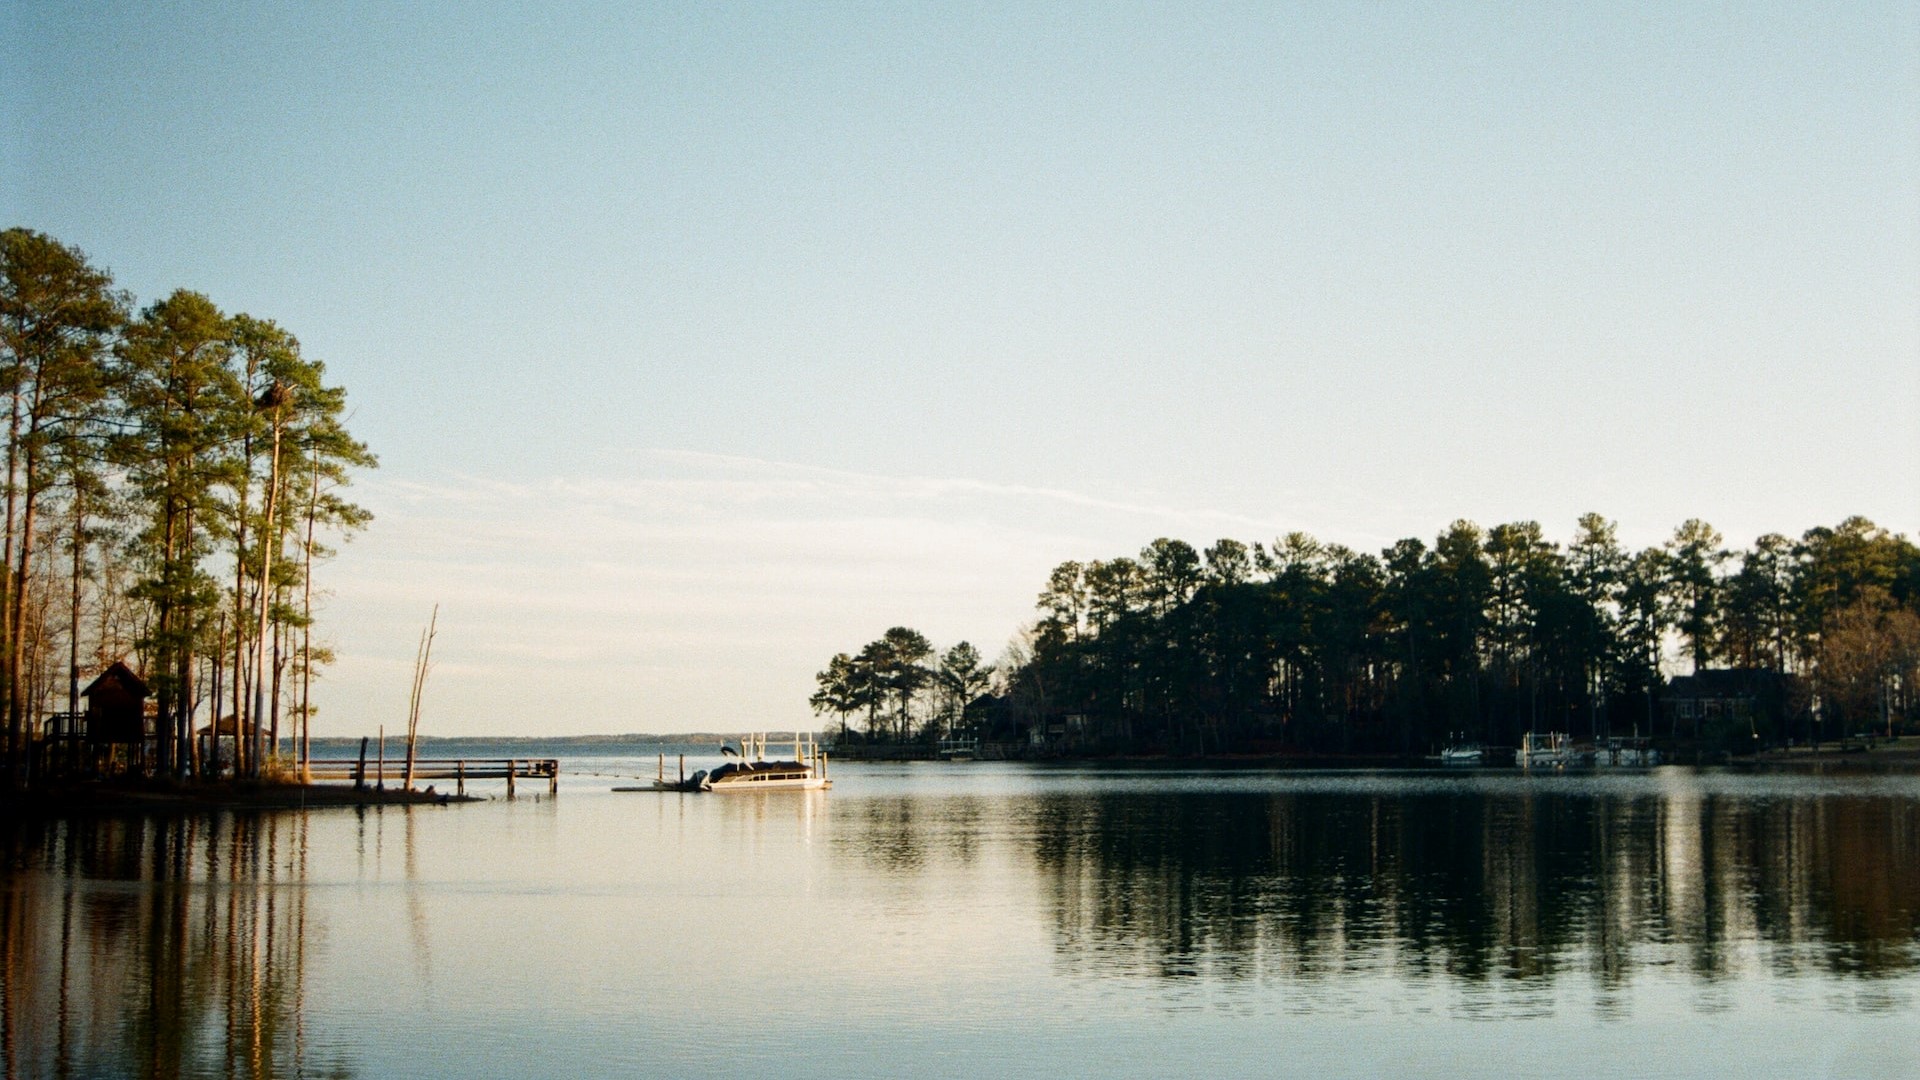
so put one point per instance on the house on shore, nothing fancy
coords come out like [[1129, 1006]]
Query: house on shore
[[1756, 705]]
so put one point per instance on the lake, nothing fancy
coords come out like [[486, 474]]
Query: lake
[[986, 919]]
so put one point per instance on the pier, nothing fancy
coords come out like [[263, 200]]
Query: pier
[[459, 770]]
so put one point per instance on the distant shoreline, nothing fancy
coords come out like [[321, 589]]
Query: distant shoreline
[[1899, 755], [716, 738]]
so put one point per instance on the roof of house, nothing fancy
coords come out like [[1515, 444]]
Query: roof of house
[[1724, 683], [120, 673]]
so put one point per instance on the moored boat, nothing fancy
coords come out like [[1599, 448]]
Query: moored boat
[[1545, 750], [1461, 752], [806, 771]]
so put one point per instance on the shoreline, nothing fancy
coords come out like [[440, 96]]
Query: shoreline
[[1882, 757], [161, 798]]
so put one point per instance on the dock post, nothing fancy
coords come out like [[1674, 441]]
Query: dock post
[[683, 770], [360, 772], [553, 777], [510, 768], [381, 783], [461, 784]]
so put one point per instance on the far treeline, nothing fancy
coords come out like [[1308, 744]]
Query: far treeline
[[1486, 634], [170, 474]]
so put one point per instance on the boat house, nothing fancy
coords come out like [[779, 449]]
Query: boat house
[[116, 707]]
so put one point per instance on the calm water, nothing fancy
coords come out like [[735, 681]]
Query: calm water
[[981, 920]]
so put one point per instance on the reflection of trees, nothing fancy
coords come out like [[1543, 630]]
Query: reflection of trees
[[1521, 887], [155, 947], [904, 833]]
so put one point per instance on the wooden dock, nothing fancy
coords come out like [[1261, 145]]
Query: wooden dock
[[460, 770]]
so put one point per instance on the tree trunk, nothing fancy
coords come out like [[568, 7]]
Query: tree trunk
[[17, 605], [187, 755], [273, 686], [16, 747], [73, 614], [166, 618], [266, 576], [306, 628], [217, 686]]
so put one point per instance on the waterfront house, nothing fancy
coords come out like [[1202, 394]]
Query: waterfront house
[[1746, 702]]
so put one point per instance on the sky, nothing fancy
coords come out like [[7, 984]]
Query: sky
[[702, 342]]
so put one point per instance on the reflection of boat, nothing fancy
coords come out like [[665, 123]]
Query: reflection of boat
[[1546, 750], [806, 771]]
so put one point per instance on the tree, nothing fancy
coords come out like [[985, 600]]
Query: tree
[[1644, 620], [1172, 573], [1229, 563], [1870, 660], [964, 677], [183, 405], [870, 667], [1408, 603], [1064, 600], [1463, 590], [1694, 557], [58, 315], [1756, 606], [1836, 566], [904, 653], [1596, 568], [838, 691], [329, 452]]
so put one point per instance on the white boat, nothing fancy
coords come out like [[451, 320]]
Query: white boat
[[751, 771], [1548, 750], [1463, 754]]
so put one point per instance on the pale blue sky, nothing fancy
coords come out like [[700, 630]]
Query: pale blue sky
[[768, 327]]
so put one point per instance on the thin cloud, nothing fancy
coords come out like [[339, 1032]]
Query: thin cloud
[[728, 579]]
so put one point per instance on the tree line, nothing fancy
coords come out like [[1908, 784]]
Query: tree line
[[172, 473], [902, 687], [1480, 636], [1483, 635]]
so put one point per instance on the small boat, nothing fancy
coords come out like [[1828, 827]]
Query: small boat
[[807, 771], [1549, 750], [1461, 752]]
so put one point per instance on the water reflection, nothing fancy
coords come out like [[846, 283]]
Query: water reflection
[[1520, 889], [156, 947], [544, 937]]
